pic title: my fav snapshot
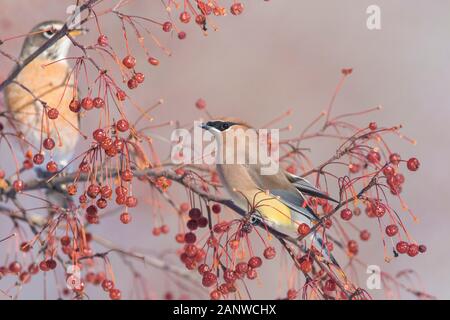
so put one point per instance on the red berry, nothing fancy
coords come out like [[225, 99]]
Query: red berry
[[33, 268], [215, 295], [121, 95], [49, 143], [269, 253], [25, 277], [102, 40], [391, 230], [200, 104], [413, 250], [153, 61], [52, 113], [129, 61], [255, 262], [422, 248], [192, 224], [106, 191], [125, 218], [132, 83], [185, 17], [99, 135], [98, 102], [413, 164], [242, 267], [52, 167], [38, 158], [122, 125], [107, 285], [388, 171], [352, 247], [237, 8], [15, 267], [306, 266], [216, 208], [65, 240], [18, 185], [373, 126], [330, 285], [200, 19], [394, 158], [157, 231], [139, 77], [87, 103], [75, 106], [202, 222], [402, 247], [252, 274], [167, 26], [127, 175], [51, 264], [43, 266], [190, 237], [209, 279], [373, 156], [93, 190], [292, 294], [346, 214], [303, 229], [181, 35], [195, 213], [364, 235]]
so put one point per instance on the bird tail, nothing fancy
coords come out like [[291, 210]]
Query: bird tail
[[321, 246]]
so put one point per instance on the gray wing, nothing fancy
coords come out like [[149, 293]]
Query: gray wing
[[306, 187], [279, 186]]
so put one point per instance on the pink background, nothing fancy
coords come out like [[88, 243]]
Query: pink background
[[286, 54]]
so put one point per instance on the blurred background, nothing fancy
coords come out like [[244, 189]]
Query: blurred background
[[281, 55]]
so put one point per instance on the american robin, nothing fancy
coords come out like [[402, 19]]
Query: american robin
[[45, 84]]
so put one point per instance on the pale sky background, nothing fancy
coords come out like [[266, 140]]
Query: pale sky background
[[286, 54]]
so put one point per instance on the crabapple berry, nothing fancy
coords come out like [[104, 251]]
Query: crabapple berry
[[185, 17], [102, 40], [413, 164], [167, 26], [346, 214], [237, 8], [153, 61], [402, 247], [391, 230], [129, 61]]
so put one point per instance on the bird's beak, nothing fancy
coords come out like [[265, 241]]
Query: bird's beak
[[78, 32], [204, 126]]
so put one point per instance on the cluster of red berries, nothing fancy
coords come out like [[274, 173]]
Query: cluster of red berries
[[108, 286], [87, 103], [138, 77], [164, 229], [230, 276], [191, 255], [15, 268], [411, 249], [196, 221]]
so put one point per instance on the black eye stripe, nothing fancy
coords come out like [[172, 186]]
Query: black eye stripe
[[220, 125]]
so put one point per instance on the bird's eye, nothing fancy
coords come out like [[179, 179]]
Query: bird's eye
[[225, 126], [49, 33]]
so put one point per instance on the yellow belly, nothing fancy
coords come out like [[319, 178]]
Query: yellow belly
[[273, 210]]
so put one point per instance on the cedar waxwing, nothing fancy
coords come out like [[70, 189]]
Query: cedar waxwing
[[46, 78], [277, 199]]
